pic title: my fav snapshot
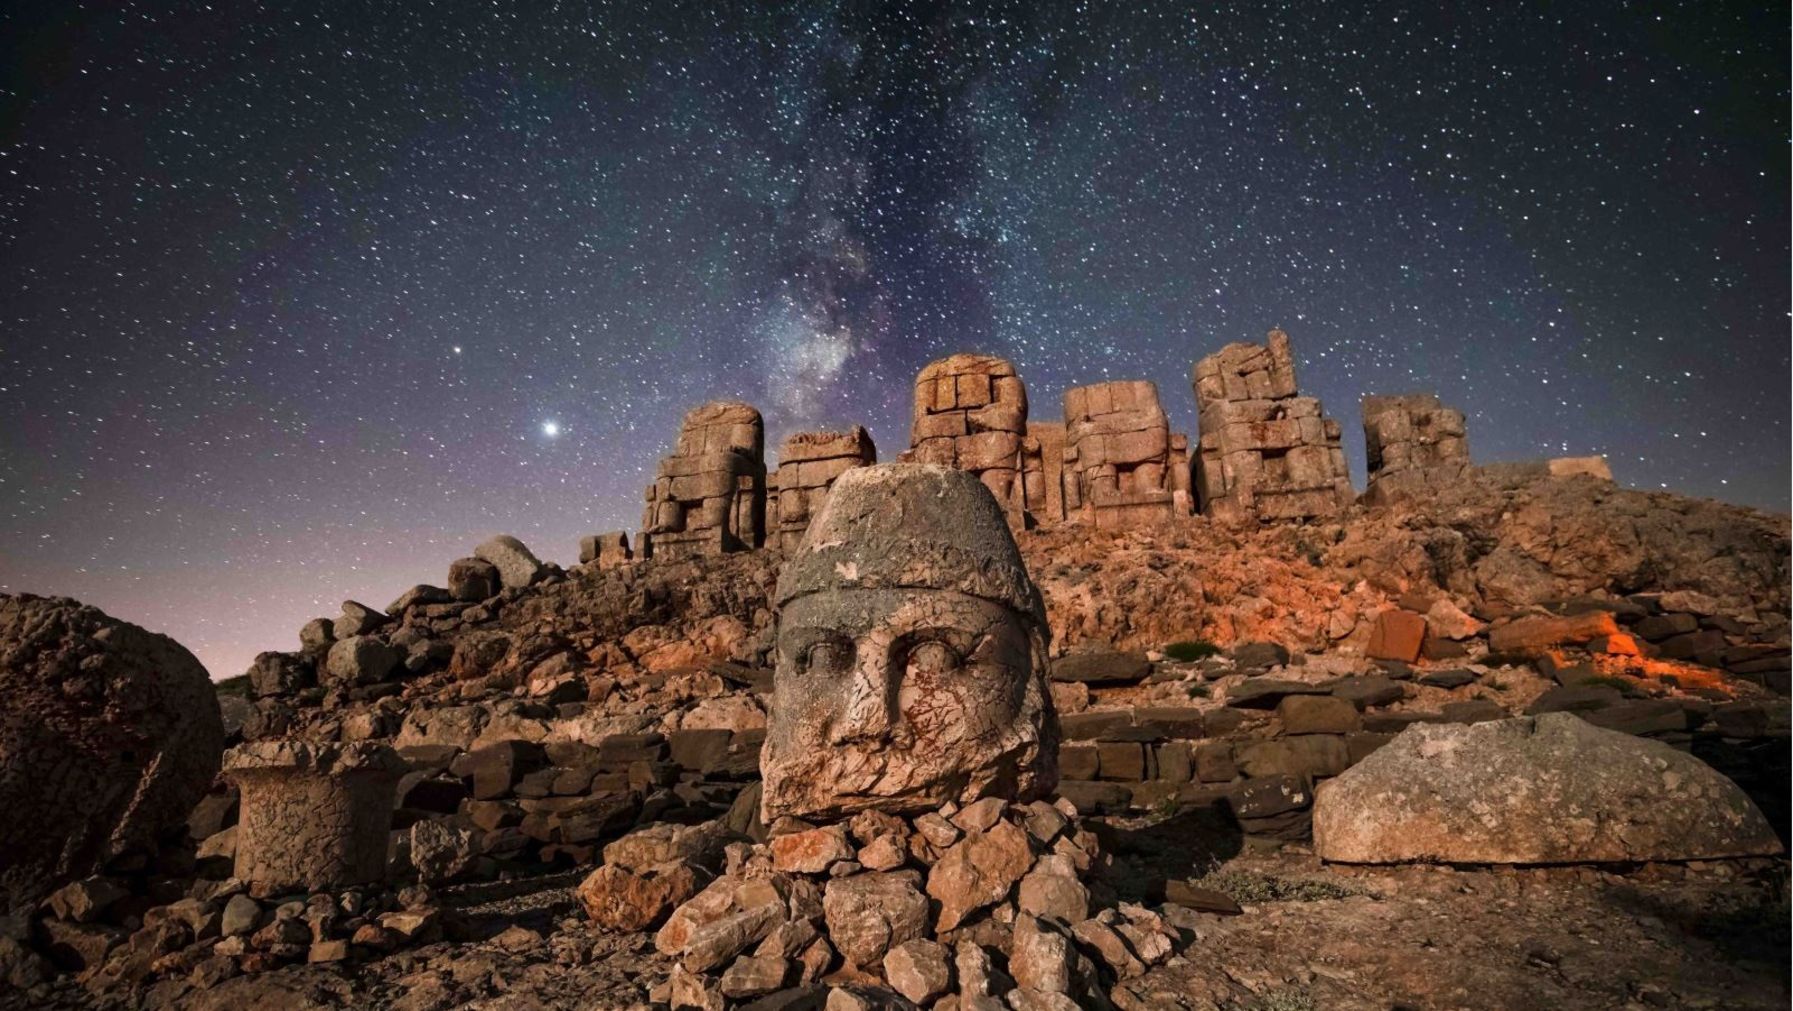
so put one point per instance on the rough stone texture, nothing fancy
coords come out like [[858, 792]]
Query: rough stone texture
[[275, 674], [808, 464], [1264, 451], [109, 735], [1533, 790], [709, 496], [1043, 470], [962, 711], [977, 871], [473, 579], [869, 914], [607, 550], [313, 816], [971, 414], [1120, 470], [1413, 443], [360, 660], [517, 566], [1579, 466]]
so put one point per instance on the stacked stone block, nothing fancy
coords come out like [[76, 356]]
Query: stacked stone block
[[1265, 451], [1043, 470], [1119, 463], [710, 494], [1413, 443], [971, 414], [808, 463], [607, 550]]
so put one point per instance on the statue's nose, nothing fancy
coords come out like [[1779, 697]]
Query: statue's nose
[[866, 717]]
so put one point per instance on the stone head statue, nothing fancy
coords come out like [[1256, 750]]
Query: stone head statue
[[911, 654]]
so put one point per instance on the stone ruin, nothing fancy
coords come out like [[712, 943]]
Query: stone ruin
[[1043, 470], [808, 464], [912, 743], [1265, 451], [710, 495], [1413, 444], [312, 816], [607, 550], [971, 414], [1121, 466]]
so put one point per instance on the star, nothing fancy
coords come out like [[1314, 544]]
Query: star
[[551, 429]]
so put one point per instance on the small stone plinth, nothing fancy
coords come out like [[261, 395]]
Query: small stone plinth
[[313, 817]]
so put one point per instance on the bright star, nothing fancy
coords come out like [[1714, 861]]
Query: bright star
[[550, 428]]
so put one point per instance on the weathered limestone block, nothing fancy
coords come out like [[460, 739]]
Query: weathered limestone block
[[1120, 463], [606, 551], [1264, 451], [808, 464], [971, 414], [709, 496], [1414, 444], [108, 737], [911, 654], [312, 816]]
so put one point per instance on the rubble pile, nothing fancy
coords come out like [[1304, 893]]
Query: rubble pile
[[994, 904]]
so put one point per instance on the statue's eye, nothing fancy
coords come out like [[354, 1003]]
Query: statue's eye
[[933, 655], [825, 656]]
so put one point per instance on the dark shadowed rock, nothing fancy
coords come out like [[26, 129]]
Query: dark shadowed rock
[[473, 579], [1533, 790], [108, 736]]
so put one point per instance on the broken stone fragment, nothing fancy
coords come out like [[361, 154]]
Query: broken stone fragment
[[357, 619], [517, 566], [360, 660], [473, 579], [978, 871], [918, 970], [620, 899], [868, 914]]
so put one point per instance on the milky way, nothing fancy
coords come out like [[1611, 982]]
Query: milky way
[[302, 301]]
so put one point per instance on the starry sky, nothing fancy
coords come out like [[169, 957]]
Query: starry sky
[[302, 301]]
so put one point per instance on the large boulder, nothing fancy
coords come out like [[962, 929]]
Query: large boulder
[[517, 565], [109, 735], [1547, 789]]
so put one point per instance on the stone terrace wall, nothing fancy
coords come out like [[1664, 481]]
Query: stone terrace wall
[[1265, 451]]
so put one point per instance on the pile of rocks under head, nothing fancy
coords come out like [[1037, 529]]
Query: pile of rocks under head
[[987, 906]]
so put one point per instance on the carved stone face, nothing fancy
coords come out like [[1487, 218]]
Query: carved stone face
[[901, 699]]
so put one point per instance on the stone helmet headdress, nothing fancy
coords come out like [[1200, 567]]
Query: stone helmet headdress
[[913, 526]]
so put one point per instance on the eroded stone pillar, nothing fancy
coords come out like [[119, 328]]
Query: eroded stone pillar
[[1265, 451], [1119, 464], [1413, 444], [709, 496], [971, 415], [312, 817]]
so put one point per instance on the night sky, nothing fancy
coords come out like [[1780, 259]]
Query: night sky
[[300, 302]]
